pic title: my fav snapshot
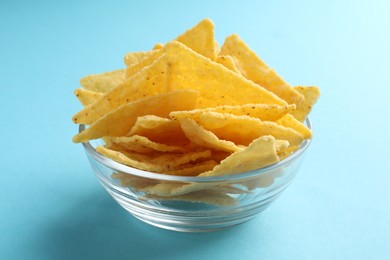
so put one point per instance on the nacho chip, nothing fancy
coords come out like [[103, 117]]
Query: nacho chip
[[157, 162], [265, 112], [158, 46], [146, 61], [228, 62], [311, 94], [204, 138], [290, 121], [104, 82], [260, 153], [244, 129], [132, 58], [185, 70], [141, 144], [86, 96], [148, 82], [120, 121], [193, 169], [217, 84], [254, 68], [201, 39], [160, 130]]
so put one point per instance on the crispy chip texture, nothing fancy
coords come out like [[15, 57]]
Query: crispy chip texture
[[86, 96], [228, 62], [255, 69], [264, 112], [217, 84], [261, 152], [311, 94], [120, 121], [204, 138], [201, 39], [158, 129], [244, 129], [104, 82]]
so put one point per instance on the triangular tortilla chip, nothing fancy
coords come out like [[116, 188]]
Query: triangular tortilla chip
[[120, 121], [254, 68], [201, 39], [311, 94], [86, 96], [104, 82]]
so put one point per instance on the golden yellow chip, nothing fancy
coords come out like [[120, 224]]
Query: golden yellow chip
[[104, 82], [132, 58], [254, 68], [291, 122], [86, 96], [146, 61], [120, 121], [185, 69], [284, 153], [244, 129], [156, 162], [193, 169], [311, 94], [260, 153], [148, 82], [204, 138], [265, 112], [158, 46], [201, 39], [217, 84], [141, 144], [228, 62], [160, 130]]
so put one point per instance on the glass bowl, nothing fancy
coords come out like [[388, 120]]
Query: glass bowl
[[220, 202]]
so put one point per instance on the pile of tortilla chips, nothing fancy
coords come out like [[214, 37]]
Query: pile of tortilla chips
[[191, 108]]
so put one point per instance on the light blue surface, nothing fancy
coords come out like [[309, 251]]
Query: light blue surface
[[51, 205]]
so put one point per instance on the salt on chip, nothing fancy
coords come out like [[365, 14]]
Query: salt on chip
[[265, 112], [104, 82], [86, 96], [244, 129], [204, 138], [120, 121], [311, 94], [254, 68]]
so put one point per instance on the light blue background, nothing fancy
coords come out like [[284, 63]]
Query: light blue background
[[51, 205]]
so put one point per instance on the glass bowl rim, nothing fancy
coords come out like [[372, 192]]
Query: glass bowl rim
[[165, 177]]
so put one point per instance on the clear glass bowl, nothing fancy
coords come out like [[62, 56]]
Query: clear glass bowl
[[225, 201]]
